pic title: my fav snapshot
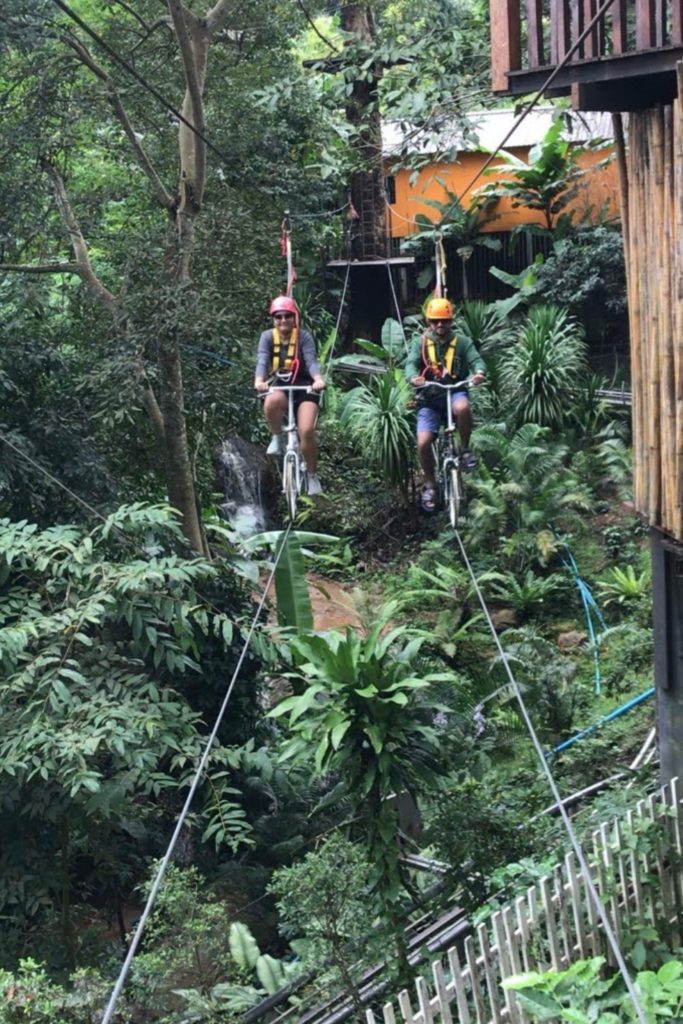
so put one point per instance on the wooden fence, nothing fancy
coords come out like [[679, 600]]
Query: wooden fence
[[636, 867]]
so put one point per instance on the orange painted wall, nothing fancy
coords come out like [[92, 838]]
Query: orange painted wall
[[601, 188]]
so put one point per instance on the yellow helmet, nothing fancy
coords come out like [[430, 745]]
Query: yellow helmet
[[439, 309]]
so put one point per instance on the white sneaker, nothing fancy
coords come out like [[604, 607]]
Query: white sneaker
[[314, 485], [276, 445]]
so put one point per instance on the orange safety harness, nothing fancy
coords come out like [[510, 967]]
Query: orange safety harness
[[286, 361], [430, 360]]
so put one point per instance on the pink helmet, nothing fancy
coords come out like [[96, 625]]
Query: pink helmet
[[284, 304]]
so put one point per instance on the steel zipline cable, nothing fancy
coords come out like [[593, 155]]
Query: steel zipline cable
[[159, 877], [598, 905], [532, 103], [199, 771], [339, 316], [118, 59]]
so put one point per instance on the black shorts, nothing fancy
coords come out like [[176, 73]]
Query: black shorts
[[306, 396], [299, 396]]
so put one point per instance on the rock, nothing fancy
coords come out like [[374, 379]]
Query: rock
[[504, 618], [571, 641]]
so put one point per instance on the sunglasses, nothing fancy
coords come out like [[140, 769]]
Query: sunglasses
[[440, 321], [283, 316]]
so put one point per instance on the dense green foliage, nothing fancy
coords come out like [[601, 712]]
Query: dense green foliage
[[344, 749], [101, 634]]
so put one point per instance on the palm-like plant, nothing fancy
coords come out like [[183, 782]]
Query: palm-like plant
[[546, 183], [615, 460], [377, 416], [445, 589], [542, 367], [482, 323], [624, 587], [523, 486], [365, 716], [526, 593]]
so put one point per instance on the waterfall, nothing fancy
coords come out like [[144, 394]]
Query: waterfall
[[247, 479]]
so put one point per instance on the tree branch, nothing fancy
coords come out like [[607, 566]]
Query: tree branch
[[149, 401], [133, 14], [151, 29], [164, 197], [42, 268], [313, 25], [217, 15], [193, 46], [78, 244]]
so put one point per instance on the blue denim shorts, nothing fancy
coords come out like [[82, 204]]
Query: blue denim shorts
[[431, 418]]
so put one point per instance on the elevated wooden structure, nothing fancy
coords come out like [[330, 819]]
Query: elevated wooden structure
[[626, 62], [627, 56]]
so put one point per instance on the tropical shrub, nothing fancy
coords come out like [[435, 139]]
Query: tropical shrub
[[365, 717], [627, 591], [482, 323], [587, 994], [376, 414], [197, 964], [474, 830], [29, 996], [101, 634], [543, 367], [526, 594], [462, 225], [585, 273], [546, 680], [522, 487], [323, 904], [547, 182]]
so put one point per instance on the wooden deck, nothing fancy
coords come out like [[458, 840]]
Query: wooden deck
[[626, 62]]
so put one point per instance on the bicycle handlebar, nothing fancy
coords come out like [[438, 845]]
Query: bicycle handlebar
[[445, 387], [291, 387]]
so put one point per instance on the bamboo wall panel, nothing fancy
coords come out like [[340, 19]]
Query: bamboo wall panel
[[654, 248]]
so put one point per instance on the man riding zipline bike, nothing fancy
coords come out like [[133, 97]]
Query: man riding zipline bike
[[288, 352], [438, 355]]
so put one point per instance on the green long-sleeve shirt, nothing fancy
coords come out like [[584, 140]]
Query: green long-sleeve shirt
[[467, 358]]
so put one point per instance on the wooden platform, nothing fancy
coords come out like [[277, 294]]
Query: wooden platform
[[626, 62], [379, 262]]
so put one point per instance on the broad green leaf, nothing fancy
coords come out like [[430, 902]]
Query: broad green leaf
[[270, 973], [243, 946], [293, 599], [339, 732]]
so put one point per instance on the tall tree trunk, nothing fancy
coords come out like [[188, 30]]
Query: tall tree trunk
[[367, 182]]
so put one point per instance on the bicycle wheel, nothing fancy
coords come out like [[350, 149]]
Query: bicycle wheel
[[453, 494], [289, 484]]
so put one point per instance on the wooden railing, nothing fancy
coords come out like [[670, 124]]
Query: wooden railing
[[636, 867], [525, 38]]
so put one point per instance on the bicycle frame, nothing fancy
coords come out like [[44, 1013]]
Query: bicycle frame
[[448, 461], [293, 468]]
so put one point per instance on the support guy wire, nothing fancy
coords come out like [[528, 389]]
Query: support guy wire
[[573, 838]]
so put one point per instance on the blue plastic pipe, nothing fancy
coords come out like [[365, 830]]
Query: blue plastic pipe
[[601, 721]]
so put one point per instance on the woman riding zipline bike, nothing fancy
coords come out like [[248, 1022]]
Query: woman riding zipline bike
[[439, 356], [287, 352]]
